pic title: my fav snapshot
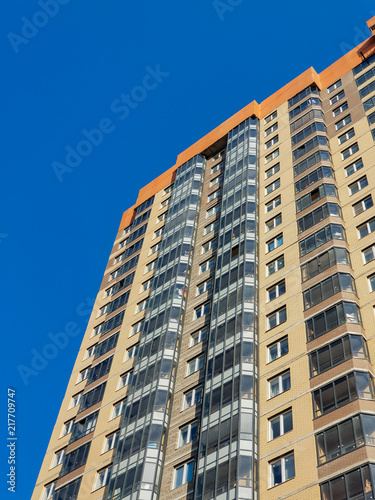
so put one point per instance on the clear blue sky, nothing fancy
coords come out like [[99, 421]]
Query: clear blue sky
[[70, 70]]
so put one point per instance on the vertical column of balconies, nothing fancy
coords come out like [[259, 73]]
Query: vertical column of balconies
[[139, 455], [227, 448]]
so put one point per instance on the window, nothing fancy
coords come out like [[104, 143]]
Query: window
[[327, 320], [345, 137], [75, 459], [368, 254], [278, 349], [358, 185], [211, 227], [212, 211], [340, 392], [344, 106], [276, 318], [48, 491], [354, 167], [270, 117], [102, 478], [273, 170], [273, 203], [82, 375], [92, 397], [162, 217], [138, 327], [206, 265], [312, 101], [273, 186], [312, 114], [340, 124], [349, 151], [316, 195], [282, 470], [216, 180], [126, 379], [334, 86], [371, 282], [358, 482], [324, 261], [275, 291], [195, 365], [337, 97], [272, 142], [216, 168], [183, 474], [202, 310], [276, 242], [84, 426], [75, 400], [318, 140], [192, 397], [213, 196], [104, 309], [146, 285], [207, 246], [118, 409], [198, 337], [366, 228], [165, 203], [327, 288], [275, 265], [131, 352], [111, 441], [159, 232], [154, 249], [150, 266], [67, 427], [281, 424], [315, 240], [311, 161], [168, 189], [271, 129], [272, 156], [58, 458], [363, 205], [306, 132], [141, 306], [188, 433], [274, 222], [203, 287], [337, 352], [69, 491], [122, 243], [90, 352], [317, 215]]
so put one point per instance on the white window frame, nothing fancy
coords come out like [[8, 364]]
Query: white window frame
[[279, 346], [146, 285], [89, 352], [354, 166], [366, 224], [359, 184], [274, 222], [279, 289], [277, 383], [370, 251], [82, 375], [203, 287], [337, 97], [199, 336], [150, 266], [216, 168], [201, 310], [168, 189], [334, 86], [118, 409], [271, 142], [193, 393], [276, 242], [67, 427], [279, 418], [279, 318], [213, 196], [159, 232], [102, 478], [212, 211], [185, 474], [75, 400], [277, 263], [340, 109], [154, 249], [131, 352], [141, 306], [58, 458], [165, 203], [104, 309], [270, 117], [347, 136], [271, 129], [211, 227], [283, 469], [272, 171], [125, 379], [162, 217], [137, 327], [208, 245], [273, 204], [361, 206], [343, 122], [273, 186], [48, 491], [187, 428], [122, 243], [111, 441], [205, 266], [350, 151], [194, 365], [216, 180], [272, 156]]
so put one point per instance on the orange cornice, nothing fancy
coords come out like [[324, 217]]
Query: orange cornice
[[308, 77]]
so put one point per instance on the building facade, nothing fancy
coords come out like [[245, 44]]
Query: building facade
[[230, 351]]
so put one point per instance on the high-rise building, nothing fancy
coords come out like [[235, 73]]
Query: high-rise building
[[230, 351]]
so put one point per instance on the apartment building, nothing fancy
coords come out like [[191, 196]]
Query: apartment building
[[230, 351]]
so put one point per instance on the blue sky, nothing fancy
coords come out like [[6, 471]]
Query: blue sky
[[68, 71]]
